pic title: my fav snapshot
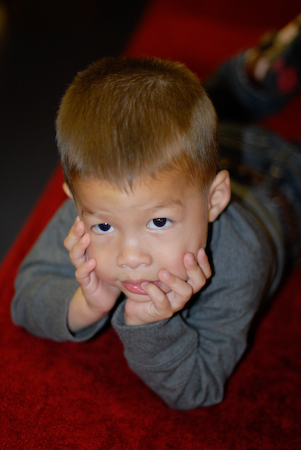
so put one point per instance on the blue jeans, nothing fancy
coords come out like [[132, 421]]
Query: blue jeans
[[259, 159], [235, 98]]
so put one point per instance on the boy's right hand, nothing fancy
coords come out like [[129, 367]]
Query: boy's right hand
[[94, 299]]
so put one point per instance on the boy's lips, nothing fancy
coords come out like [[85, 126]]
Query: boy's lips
[[135, 286]]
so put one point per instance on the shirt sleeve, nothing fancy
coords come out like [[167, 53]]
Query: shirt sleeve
[[46, 283], [188, 358]]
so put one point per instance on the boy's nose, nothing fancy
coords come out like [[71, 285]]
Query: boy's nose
[[133, 256]]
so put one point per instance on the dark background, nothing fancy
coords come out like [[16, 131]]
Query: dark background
[[43, 46]]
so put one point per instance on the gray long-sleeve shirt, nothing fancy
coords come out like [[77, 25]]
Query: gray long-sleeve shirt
[[185, 359]]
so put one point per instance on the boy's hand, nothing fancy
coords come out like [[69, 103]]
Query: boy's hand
[[163, 306], [94, 298]]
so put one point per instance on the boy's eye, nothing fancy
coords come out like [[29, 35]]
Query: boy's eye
[[161, 222], [102, 228]]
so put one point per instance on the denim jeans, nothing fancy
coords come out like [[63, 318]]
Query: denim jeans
[[235, 98], [258, 160]]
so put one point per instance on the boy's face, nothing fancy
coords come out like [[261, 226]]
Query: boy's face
[[134, 234]]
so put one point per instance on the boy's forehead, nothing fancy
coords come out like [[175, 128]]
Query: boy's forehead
[[165, 182], [166, 190]]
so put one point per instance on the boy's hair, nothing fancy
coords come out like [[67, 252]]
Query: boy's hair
[[125, 118]]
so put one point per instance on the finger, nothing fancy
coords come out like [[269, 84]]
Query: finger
[[178, 286], [77, 254], [160, 307], [204, 263], [84, 274], [197, 277], [76, 232]]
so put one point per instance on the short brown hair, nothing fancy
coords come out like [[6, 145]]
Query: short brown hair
[[123, 118]]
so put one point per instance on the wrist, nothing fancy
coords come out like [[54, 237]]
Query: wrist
[[81, 313], [131, 322]]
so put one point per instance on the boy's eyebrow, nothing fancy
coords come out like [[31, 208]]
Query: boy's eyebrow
[[84, 210], [168, 203]]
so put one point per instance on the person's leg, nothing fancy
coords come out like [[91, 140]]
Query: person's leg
[[259, 81], [271, 169]]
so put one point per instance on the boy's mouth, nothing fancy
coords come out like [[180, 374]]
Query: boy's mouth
[[135, 286]]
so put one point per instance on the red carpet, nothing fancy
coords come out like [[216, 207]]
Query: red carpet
[[83, 396]]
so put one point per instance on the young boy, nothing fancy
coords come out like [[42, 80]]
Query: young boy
[[157, 247]]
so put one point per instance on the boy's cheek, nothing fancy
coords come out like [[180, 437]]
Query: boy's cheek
[[103, 272], [177, 268], [94, 251], [90, 252], [102, 262]]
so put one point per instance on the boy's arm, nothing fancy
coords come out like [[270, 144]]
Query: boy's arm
[[188, 358], [46, 283]]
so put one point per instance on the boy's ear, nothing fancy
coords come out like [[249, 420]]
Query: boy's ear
[[67, 190], [219, 194]]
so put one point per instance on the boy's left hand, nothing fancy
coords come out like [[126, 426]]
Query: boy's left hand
[[162, 306]]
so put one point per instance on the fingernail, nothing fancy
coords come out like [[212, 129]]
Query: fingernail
[[190, 259], [165, 274]]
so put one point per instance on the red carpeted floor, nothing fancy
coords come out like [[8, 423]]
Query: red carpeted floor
[[83, 396]]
